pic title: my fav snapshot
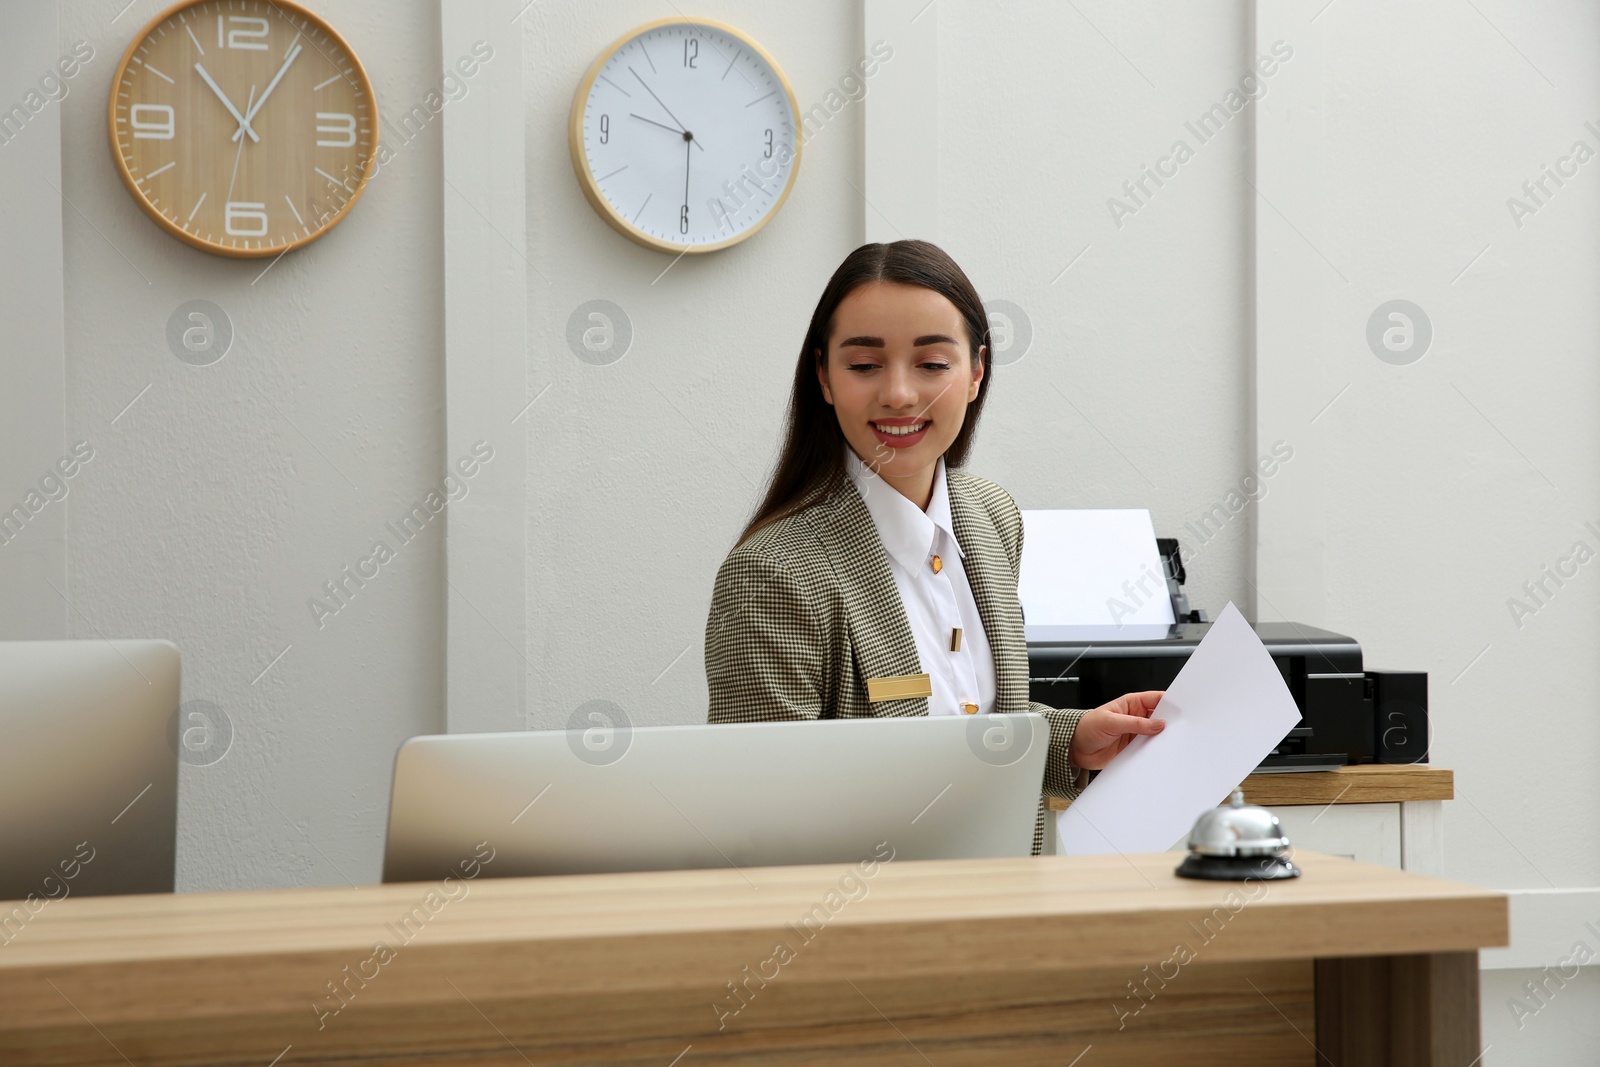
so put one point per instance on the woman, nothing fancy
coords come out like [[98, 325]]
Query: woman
[[875, 567]]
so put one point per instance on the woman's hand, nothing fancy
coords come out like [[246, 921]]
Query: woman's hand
[[1106, 730]]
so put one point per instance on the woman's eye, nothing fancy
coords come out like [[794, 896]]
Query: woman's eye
[[934, 365]]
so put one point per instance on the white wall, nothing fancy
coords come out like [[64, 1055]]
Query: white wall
[[1445, 484], [641, 472], [218, 504], [1432, 491], [1135, 389], [32, 404]]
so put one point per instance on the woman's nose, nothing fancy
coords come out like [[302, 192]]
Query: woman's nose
[[898, 389]]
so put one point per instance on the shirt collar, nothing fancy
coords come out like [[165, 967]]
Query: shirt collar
[[908, 533]]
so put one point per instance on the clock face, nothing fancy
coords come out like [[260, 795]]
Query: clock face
[[683, 135], [244, 127]]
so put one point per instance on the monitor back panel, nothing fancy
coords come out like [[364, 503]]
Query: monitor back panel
[[88, 768], [734, 795]]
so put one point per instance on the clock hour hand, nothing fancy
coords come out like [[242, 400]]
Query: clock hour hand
[[271, 85], [244, 123], [240, 150], [653, 122]]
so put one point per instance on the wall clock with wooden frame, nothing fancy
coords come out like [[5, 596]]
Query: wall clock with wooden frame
[[243, 127], [684, 135]]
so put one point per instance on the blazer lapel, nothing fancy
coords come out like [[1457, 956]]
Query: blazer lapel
[[880, 631], [988, 570]]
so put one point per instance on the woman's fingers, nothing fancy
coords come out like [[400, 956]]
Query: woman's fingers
[[1115, 728], [1104, 732], [1143, 703], [1138, 724]]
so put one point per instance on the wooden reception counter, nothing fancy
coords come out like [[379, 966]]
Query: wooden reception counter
[[1026, 961]]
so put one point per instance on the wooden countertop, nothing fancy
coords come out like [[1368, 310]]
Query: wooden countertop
[[1367, 783], [262, 952], [965, 957]]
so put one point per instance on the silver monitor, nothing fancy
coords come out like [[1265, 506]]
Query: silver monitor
[[725, 795], [88, 771]]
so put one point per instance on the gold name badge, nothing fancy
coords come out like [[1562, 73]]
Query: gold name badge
[[903, 687]]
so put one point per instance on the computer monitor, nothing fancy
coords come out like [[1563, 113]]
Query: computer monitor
[[88, 771], [725, 795]]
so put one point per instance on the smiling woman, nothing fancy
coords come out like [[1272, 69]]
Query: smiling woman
[[876, 578]]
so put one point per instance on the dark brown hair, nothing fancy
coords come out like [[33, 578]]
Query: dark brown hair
[[813, 461]]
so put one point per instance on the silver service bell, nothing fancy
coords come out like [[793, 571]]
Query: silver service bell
[[1237, 842]]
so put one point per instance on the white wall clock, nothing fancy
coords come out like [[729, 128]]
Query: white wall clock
[[684, 134], [243, 127]]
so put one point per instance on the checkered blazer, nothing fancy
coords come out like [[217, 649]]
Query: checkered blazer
[[806, 610]]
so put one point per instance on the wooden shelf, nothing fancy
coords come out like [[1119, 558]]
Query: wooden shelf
[[1369, 783]]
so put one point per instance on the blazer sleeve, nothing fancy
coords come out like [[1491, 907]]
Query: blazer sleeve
[[764, 644], [1061, 778]]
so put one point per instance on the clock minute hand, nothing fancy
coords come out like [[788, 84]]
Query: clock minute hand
[[271, 85], [681, 127], [244, 123]]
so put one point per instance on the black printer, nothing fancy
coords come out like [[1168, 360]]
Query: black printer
[[1349, 714]]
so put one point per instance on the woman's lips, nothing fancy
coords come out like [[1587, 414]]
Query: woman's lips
[[901, 440]]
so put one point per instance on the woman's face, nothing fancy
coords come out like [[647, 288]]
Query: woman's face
[[899, 375]]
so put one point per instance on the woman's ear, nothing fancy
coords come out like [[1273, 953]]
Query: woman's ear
[[822, 376], [977, 374]]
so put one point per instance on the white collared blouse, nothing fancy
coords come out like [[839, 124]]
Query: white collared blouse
[[937, 602]]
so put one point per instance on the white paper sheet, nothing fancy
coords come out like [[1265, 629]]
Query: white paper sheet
[[1092, 567], [1225, 711]]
